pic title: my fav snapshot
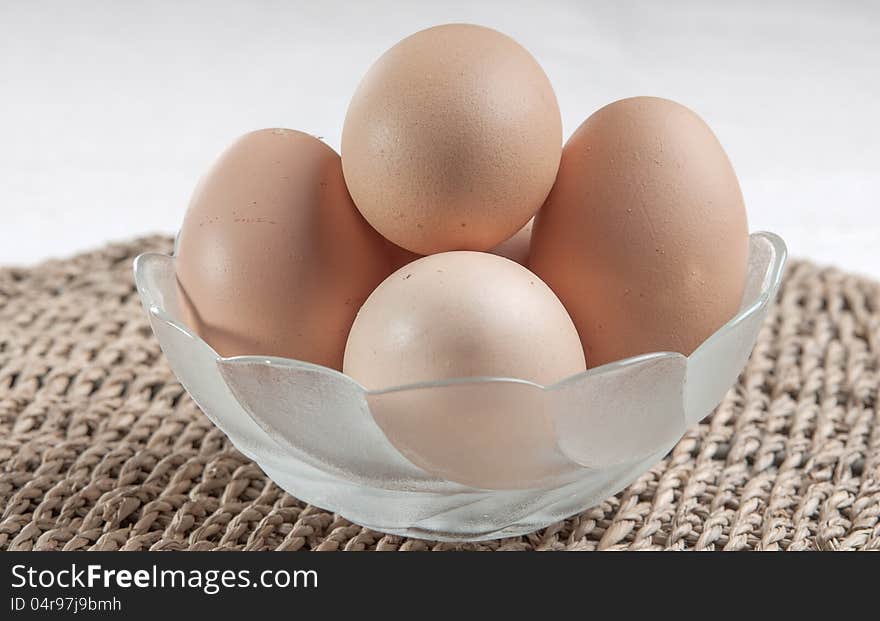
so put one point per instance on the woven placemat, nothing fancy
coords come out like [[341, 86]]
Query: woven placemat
[[100, 447]]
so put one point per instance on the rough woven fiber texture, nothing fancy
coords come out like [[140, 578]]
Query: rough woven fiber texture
[[100, 448]]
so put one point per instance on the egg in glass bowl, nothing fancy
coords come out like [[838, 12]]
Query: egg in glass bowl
[[314, 430]]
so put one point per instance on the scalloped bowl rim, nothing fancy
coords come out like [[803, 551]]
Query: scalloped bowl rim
[[772, 279]]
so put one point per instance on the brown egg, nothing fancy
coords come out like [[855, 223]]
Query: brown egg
[[644, 237], [516, 249], [466, 314], [462, 314], [452, 140], [273, 257]]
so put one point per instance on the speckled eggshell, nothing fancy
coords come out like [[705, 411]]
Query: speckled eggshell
[[644, 237], [273, 258], [452, 140], [516, 249]]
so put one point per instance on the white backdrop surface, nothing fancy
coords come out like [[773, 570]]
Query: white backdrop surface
[[110, 111]]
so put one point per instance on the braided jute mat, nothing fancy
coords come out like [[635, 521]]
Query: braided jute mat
[[101, 449]]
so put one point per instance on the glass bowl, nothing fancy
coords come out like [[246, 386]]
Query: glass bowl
[[398, 460]]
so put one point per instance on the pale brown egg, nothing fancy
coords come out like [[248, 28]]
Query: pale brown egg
[[452, 140], [273, 258], [462, 314], [644, 237], [457, 315]]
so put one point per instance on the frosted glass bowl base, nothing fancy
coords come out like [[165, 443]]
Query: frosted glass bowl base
[[328, 441], [459, 516]]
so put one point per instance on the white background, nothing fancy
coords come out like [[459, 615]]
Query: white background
[[109, 111]]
